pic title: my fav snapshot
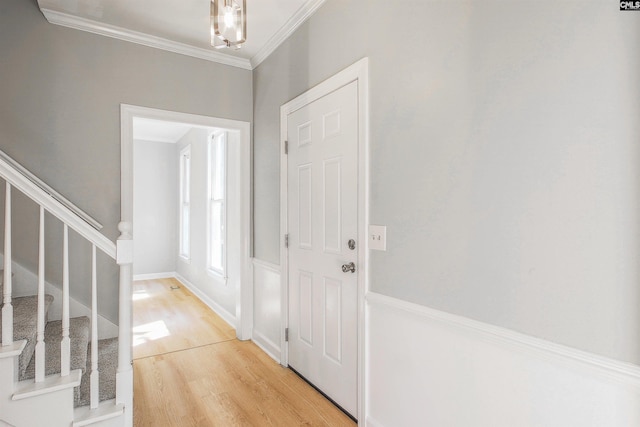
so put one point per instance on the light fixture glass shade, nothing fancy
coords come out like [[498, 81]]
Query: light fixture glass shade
[[228, 23]]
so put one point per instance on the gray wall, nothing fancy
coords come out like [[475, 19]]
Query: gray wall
[[155, 189], [504, 157], [60, 96]]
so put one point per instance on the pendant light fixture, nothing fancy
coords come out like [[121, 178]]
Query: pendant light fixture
[[228, 23]]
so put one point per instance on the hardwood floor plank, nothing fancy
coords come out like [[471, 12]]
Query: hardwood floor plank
[[223, 383], [167, 319]]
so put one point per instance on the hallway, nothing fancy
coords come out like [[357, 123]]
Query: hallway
[[190, 370]]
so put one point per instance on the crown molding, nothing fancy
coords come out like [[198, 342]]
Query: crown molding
[[71, 21], [95, 27], [286, 30]]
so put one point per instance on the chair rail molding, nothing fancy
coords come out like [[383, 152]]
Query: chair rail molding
[[485, 374]]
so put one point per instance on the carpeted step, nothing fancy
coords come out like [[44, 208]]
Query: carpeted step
[[25, 323], [107, 366], [79, 335]]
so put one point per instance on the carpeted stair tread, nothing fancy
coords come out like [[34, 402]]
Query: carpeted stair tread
[[79, 328], [107, 366], [25, 323]]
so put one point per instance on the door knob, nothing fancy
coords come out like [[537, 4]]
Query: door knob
[[351, 267]]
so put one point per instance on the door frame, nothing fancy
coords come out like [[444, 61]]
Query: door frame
[[244, 295], [358, 72]]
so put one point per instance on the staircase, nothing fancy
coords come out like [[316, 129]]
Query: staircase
[[59, 372], [25, 322]]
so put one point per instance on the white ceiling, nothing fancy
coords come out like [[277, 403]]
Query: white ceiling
[[159, 131], [182, 26]]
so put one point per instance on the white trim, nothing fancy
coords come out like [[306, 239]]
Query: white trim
[[100, 28], [266, 345], [27, 282], [217, 275], [219, 310], [55, 382], [608, 367], [244, 295], [212, 141], [266, 264], [106, 328], [84, 415], [153, 276], [304, 13], [184, 178], [53, 193], [372, 422], [357, 72], [12, 350], [260, 269], [56, 208]]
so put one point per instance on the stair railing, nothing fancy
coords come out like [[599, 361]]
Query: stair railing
[[50, 191], [121, 253]]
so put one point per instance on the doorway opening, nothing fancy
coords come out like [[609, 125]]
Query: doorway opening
[[152, 157]]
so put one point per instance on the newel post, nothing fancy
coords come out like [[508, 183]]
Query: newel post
[[124, 377]]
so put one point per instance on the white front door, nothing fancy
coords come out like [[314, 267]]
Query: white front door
[[322, 225]]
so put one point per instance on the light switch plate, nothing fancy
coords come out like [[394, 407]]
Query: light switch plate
[[378, 237]]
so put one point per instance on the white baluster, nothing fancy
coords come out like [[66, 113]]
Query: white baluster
[[65, 345], [124, 377], [95, 375], [7, 309], [40, 346]]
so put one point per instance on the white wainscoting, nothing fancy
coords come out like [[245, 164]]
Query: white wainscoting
[[266, 307], [429, 368]]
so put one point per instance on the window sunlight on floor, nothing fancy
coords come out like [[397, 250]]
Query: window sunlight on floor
[[141, 294], [149, 332]]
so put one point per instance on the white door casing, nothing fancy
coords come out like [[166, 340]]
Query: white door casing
[[358, 72], [244, 295], [322, 217]]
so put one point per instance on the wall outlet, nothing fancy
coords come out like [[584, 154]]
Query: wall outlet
[[378, 237]]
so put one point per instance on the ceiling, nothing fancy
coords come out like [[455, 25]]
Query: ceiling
[[182, 26], [159, 131]]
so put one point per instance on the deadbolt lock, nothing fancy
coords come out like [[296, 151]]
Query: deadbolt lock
[[351, 244]]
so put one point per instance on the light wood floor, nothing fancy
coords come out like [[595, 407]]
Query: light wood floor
[[189, 370]]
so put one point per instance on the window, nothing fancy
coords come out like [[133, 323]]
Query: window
[[185, 202], [216, 206]]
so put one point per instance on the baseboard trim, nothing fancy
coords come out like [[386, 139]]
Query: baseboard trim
[[153, 276], [266, 345], [600, 365], [217, 308]]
